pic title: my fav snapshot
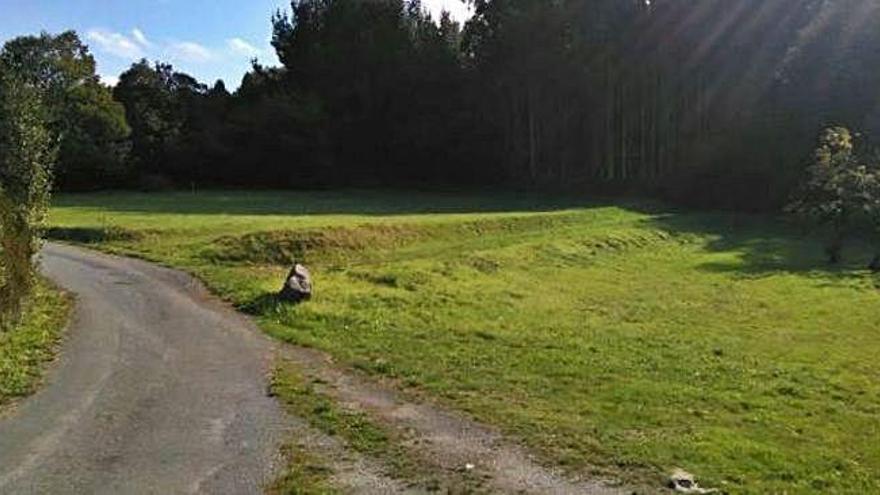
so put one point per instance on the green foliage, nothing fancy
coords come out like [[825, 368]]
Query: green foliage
[[156, 102], [80, 111], [27, 152], [54, 63], [94, 147], [26, 349], [389, 85], [840, 189], [708, 102]]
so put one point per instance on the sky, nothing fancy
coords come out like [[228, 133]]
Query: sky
[[208, 39]]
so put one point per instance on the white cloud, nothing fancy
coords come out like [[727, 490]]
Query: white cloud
[[190, 51], [242, 47], [110, 80], [141, 38], [139, 46], [115, 44]]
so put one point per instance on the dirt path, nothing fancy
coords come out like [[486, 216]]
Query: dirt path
[[451, 443]]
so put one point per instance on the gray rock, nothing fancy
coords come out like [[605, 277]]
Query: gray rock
[[298, 285], [684, 482]]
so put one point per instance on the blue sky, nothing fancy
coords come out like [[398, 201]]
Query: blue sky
[[209, 39]]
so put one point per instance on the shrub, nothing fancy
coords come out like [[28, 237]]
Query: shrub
[[839, 188], [26, 155]]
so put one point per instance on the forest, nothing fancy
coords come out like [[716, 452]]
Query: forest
[[710, 103]]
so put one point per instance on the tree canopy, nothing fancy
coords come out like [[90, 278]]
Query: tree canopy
[[705, 102], [89, 123]]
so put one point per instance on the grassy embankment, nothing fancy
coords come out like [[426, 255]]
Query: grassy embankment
[[26, 349], [623, 337]]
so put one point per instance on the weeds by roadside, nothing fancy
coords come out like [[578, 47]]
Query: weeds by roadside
[[25, 349]]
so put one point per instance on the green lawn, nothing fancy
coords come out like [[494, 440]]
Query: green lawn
[[622, 336], [25, 350]]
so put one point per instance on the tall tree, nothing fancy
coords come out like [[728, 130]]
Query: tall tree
[[386, 76], [90, 125], [161, 106]]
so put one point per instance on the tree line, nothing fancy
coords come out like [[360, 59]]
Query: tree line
[[707, 102]]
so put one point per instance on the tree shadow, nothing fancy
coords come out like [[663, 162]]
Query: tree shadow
[[767, 246], [298, 203], [92, 235]]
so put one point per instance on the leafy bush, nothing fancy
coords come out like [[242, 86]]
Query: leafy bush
[[27, 152], [840, 188]]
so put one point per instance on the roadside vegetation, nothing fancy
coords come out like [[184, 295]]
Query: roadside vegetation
[[620, 338], [304, 473], [26, 158], [32, 312], [26, 348], [395, 452]]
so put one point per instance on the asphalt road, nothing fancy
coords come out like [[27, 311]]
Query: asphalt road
[[159, 389]]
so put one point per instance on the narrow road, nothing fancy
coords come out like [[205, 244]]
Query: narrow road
[[159, 389]]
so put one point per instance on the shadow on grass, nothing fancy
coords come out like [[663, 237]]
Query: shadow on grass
[[266, 303], [294, 203], [260, 304], [767, 245], [92, 235]]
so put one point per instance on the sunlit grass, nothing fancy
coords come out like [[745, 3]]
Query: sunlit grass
[[623, 338], [26, 348]]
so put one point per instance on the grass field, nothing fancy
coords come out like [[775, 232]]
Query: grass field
[[25, 350], [625, 338]]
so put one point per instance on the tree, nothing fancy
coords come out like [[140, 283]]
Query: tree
[[704, 102], [26, 157], [388, 84], [281, 132], [160, 104], [90, 125], [838, 188], [873, 203]]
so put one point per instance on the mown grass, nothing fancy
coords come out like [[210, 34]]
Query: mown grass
[[27, 348], [623, 338]]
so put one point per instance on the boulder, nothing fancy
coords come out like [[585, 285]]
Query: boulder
[[297, 286]]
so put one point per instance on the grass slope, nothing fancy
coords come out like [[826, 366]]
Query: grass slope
[[625, 338], [25, 350]]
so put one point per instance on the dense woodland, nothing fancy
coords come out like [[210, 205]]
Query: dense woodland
[[707, 102]]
